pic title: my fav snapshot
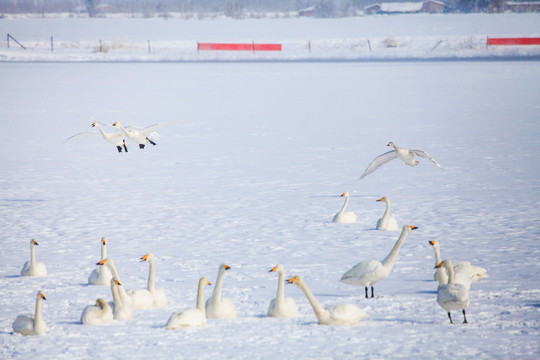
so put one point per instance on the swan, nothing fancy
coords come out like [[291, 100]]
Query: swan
[[405, 155], [108, 262], [121, 311], [387, 222], [116, 138], [31, 324], [32, 267], [281, 306], [142, 136], [190, 317], [218, 307], [160, 299], [101, 275], [98, 314], [464, 272], [367, 273], [452, 296], [339, 314], [344, 216]]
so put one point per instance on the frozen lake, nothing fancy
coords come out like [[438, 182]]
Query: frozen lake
[[251, 177]]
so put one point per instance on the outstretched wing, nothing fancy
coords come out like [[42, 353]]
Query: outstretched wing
[[427, 156], [80, 135], [152, 128], [378, 161]]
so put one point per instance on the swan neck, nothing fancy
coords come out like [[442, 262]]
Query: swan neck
[[103, 251], [437, 255], [116, 297], [112, 267], [151, 277], [200, 297], [344, 207], [390, 260], [101, 130], [450, 270], [39, 324], [32, 255], [387, 211], [219, 284], [317, 308], [280, 296]]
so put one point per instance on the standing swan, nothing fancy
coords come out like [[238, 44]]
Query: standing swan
[[281, 306], [121, 310], [343, 216], [339, 314], [160, 299], [98, 314], [31, 324], [218, 307], [405, 155], [190, 317], [368, 273], [101, 275], [387, 222], [32, 267], [452, 296]]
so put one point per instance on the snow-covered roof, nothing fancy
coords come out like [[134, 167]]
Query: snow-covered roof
[[402, 7]]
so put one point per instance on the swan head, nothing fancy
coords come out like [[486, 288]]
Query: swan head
[[41, 295], [104, 241], [445, 263], [224, 267], [33, 242], [116, 123], [391, 144], [278, 268], [106, 261], [101, 303], [296, 280], [148, 257], [384, 198], [345, 194], [94, 124], [408, 228], [204, 281], [433, 243]]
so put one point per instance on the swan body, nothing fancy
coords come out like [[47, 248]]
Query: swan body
[[464, 272], [121, 311], [368, 273], [339, 314], [405, 155], [282, 306], [344, 216], [452, 296], [101, 275], [115, 138], [143, 136], [32, 267], [31, 324], [158, 295], [190, 317], [387, 222], [108, 262], [217, 306], [98, 314]]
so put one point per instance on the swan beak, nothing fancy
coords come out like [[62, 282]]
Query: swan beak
[[291, 280], [101, 262], [93, 124], [432, 242], [438, 266], [273, 269], [380, 199], [117, 282], [104, 241], [226, 267], [144, 258], [413, 227], [35, 242], [43, 296], [115, 124], [208, 282]]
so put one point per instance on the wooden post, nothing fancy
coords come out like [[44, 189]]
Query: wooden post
[[12, 38], [52, 44], [369, 44], [100, 46], [8, 41], [309, 45], [149, 49]]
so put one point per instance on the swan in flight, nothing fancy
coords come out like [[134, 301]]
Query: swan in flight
[[190, 317], [344, 216], [32, 267], [368, 273], [464, 272], [282, 306], [218, 307], [31, 324], [339, 314], [452, 296], [98, 314], [121, 311], [405, 155], [116, 138], [101, 275], [160, 299], [387, 222], [143, 136]]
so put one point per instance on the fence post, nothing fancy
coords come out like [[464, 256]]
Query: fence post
[[52, 44], [309, 45], [100, 46], [8, 41], [369, 44], [12, 38], [149, 49]]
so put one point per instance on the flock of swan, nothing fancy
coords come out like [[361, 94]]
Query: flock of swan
[[454, 279]]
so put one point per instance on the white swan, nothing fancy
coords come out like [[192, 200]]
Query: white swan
[[116, 138], [218, 307], [160, 299], [405, 155], [142, 136], [339, 314], [368, 273], [98, 314], [464, 272], [452, 296], [190, 317], [343, 216], [108, 262], [101, 275], [31, 324], [32, 267], [121, 311], [282, 306], [387, 222]]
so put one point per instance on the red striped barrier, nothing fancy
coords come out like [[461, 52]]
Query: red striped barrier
[[239, 47], [513, 41]]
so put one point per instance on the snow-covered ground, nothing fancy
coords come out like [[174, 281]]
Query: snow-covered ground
[[251, 177]]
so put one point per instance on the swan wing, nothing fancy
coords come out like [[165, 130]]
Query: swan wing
[[81, 135], [427, 156], [362, 274], [379, 161], [152, 128], [24, 324]]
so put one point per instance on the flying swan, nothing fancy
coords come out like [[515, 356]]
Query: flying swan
[[452, 296], [282, 306], [31, 324], [98, 314], [190, 317], [339, 314], [405, 155], [387, 222], [116, 138], [368, 273], [101, 275], [218, 307], [32, 267], [160, 299], [344, 216], [142, 136]]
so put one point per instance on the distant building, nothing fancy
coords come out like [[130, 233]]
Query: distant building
[[429, 6], [310, 11], [522, 6]]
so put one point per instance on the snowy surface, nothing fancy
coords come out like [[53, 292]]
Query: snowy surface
[[251, 177]]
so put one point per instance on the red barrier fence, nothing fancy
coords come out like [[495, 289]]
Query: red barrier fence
[[238, 47], [513, 41]]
